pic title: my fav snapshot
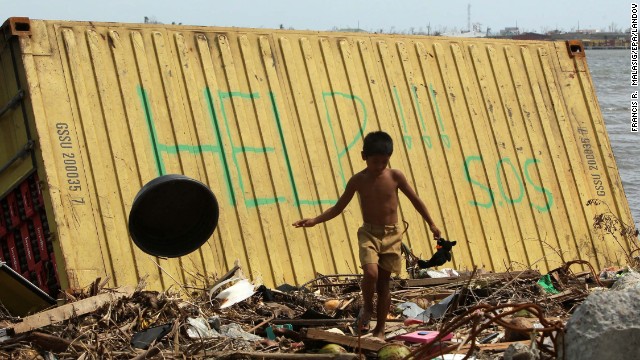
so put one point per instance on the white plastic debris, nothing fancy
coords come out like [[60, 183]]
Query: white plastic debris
[[5, 334], [409, 309], [199, 329], [241, 290], [235, 331], [447, 272]]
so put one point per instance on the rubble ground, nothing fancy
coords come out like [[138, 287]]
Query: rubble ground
[[476, 315]]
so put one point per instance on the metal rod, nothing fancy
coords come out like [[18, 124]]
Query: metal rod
[[26, 149], [12, 103]]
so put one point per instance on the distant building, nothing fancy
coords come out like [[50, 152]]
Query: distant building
[[466, 34], [531, 36], [587, 31], [510, 31]]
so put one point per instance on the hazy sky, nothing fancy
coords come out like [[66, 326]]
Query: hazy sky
[[370, 15]]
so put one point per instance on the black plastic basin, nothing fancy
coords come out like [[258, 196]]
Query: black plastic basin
[[173, 215]]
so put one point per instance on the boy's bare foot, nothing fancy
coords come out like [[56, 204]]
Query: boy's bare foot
[[378, 334]]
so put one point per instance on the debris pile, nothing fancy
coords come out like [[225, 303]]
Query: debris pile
[[474, 315]]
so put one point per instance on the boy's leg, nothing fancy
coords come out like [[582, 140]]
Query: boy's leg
[[368, 286], [384, 301]]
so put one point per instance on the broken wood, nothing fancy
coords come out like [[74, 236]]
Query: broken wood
[[289, 334], [91, 328], [148, 354], [421, 294], [502, 346], [391, 330], [569, 294], [261, 355], [526, 274], [68, 311], [55, 343], [264, 322], [319, 322], [354, 342]]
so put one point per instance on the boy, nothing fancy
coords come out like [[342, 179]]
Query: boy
[[379, 238]]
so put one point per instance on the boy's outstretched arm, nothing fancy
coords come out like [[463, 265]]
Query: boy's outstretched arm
[[333, 211], [406, 189]]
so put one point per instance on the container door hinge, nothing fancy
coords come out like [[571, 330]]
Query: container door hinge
[[12, 103], [22, 153]]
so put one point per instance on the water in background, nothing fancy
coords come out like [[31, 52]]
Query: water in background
[[611, 74]]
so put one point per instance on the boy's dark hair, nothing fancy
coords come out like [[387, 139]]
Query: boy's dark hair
[[377, 143]]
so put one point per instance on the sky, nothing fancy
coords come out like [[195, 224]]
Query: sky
[[370, 15]]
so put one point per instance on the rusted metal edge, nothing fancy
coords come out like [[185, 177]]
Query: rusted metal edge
[[16, 26], [575, 48]]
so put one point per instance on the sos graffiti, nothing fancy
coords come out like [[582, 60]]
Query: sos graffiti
[[505, 166]]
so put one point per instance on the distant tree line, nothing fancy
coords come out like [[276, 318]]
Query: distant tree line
[[153, 20]]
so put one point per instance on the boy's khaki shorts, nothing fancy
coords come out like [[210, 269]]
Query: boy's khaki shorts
[[380, 244]]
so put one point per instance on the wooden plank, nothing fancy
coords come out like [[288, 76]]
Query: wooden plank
[[148, 354], [420, 293], [569, 294], [320, 322], [526, 274], [491, 347], [312, 322], [260, 355], [56, 344], [354, 342], [68, 311]]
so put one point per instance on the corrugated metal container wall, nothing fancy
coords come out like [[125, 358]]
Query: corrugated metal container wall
[[503, 140]]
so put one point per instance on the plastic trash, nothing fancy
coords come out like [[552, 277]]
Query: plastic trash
[[443, 273], [199, 329], [269, 330], [547, 285], [423, 336], [144, 338], [287, 288], [241, 290], [438, 310], [409, 309], [6, 334], [214, 323], [235, 331]]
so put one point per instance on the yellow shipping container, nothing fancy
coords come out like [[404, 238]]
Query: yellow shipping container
[[504, 140]]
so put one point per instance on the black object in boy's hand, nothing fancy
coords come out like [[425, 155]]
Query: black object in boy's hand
[[442, 255]]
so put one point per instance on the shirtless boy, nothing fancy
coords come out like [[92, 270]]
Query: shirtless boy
[[379, 238]]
